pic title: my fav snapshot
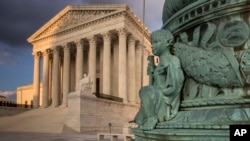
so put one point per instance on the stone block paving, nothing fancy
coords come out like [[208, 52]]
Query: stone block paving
[[27, 136]]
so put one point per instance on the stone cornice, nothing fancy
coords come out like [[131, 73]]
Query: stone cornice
[[121, 11], [195, 13], [138, 23], [75, 28], [27, 87], [77, 8]]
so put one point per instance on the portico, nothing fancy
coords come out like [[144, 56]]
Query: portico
[[106, 42]]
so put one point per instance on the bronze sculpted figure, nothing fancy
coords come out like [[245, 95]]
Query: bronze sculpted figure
[[211, 50], [161, 99]]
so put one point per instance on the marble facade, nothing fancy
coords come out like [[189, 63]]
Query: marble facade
[[104, 41]]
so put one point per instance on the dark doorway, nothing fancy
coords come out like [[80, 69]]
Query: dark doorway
[[97, 85]]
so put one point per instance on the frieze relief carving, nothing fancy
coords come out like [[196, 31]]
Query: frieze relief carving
[[216, 65], [240, 34], [106, 24]]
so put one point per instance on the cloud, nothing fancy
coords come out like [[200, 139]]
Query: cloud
[[7, 93], [5, 56], [153, 14], [10, 55], [11, 95], [20, 19]]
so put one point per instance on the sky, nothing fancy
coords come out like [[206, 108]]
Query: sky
[[19, 19]]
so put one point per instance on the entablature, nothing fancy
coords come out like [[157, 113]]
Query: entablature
[[73, 19]]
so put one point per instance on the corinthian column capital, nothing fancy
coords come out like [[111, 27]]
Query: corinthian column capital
[[37, 54], [56, 50], [79, 43], [139, 46], [122, 32], [46, 52], [106, 35], [131, 39], [66, 46], [92, 39]]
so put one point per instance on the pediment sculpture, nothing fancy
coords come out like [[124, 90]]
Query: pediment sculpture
[[70, 17]]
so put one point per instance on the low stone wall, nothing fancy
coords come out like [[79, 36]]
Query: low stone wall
[[10, 111], [88, 113]]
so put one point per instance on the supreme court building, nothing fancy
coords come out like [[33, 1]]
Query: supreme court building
[[107, 42]]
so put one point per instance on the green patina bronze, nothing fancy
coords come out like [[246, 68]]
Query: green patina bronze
[[201, 85], [161, 100]]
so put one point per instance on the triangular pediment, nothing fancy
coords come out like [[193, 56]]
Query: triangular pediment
[[72, 16]]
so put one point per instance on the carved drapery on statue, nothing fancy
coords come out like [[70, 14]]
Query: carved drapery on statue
[[161, 99], [85, 84]]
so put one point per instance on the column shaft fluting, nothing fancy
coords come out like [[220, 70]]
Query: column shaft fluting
[[36, 80], [122, 65], [131, 70], [45, 99], [66, 74], [145, 80], [138, 71], [79, 61], [106, 75], [92, 62], [55, 78]]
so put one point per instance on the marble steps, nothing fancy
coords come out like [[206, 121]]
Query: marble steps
[[42, 120]]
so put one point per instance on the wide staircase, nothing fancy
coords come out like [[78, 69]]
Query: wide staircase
[[41, 120]]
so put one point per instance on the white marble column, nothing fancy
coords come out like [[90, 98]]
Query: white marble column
[[45, 99], [66, 74], [73, 71], [114, 74], [106, 71], [92, 62], [55, 77], [145, 65], [50, 77], [138, 71], [79, 61], [36, 79], [122, 65], [100, 69], [131, 70]]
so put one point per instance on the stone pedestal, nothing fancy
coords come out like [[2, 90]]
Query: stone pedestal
[[205, 124], [127, 128], [181, 135], [88, 113]]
